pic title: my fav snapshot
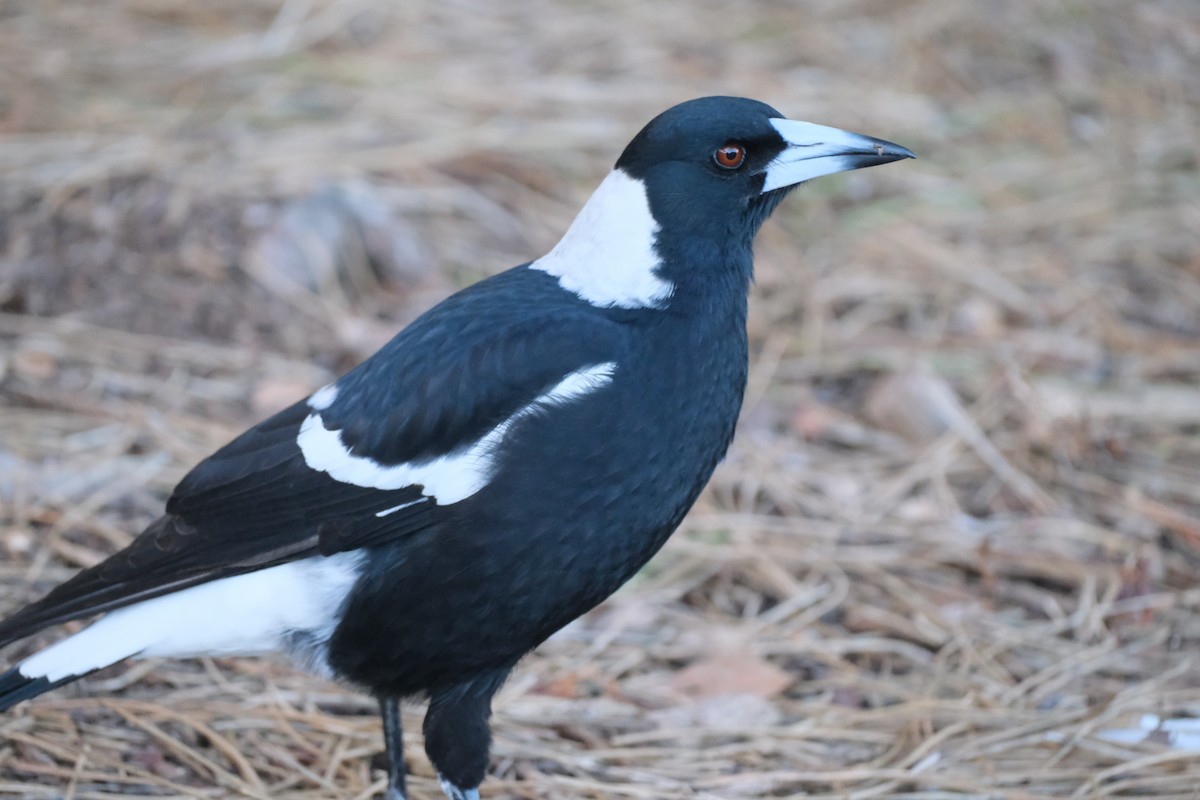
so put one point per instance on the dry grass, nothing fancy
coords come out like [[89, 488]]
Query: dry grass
[[955, 551]]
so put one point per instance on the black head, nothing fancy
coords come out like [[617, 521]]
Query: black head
[[720, 165], [674, 221]]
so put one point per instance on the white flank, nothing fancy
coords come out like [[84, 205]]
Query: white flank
[[812, 151], [607, 256], [242, 615], [449, 478]]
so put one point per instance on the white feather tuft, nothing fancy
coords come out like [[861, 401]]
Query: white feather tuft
[[323, 398]]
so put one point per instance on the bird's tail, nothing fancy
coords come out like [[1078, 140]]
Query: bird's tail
[[15, 687], [60, 663], [245, 614]]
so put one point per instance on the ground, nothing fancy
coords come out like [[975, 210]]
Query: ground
[[955, 549]]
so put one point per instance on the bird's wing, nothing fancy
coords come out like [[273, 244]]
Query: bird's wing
[[360, 463]]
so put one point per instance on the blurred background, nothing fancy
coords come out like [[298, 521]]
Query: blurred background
[[954, 551]]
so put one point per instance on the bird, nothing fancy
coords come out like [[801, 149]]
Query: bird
[[505, 463]]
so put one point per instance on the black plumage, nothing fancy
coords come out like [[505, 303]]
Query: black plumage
[[500, 467]]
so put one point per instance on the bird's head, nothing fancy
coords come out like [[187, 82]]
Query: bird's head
[[689, 192], [721, 164]]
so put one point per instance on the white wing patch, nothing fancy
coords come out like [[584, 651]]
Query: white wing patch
[[607, 256], [242, 615], [449, 478]]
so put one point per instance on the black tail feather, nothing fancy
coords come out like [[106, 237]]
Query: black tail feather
[[18, 626], [15, 687]]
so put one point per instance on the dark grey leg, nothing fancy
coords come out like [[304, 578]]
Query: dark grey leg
[[393, 738]]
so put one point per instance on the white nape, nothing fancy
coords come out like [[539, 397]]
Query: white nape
[[812, 151], [607, 256], [246, 614], [449, 478]]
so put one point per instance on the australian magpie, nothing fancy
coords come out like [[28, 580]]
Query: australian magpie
[[501, 466]]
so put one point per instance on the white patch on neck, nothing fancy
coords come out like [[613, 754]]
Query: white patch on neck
[[607, 256], [449, 478]]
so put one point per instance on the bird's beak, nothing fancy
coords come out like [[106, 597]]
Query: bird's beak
[[816, 150]]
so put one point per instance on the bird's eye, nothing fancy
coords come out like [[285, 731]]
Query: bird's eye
[[731, 156]]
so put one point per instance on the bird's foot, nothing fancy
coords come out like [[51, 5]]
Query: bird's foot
[[455, 793]]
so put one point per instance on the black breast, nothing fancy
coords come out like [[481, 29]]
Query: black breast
[[584, 495]]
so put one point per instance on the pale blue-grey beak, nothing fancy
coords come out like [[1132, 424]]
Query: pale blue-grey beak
[[816, 150]]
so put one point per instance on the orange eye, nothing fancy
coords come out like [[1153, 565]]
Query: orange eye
[[730, 156]]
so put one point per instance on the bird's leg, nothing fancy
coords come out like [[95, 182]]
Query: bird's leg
[[393, 740], [457, 736]]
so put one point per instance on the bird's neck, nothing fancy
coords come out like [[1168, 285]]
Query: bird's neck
[[710, 278], [608, 256], [617, 256]]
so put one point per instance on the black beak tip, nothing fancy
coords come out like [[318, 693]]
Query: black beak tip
[[892, 151]]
